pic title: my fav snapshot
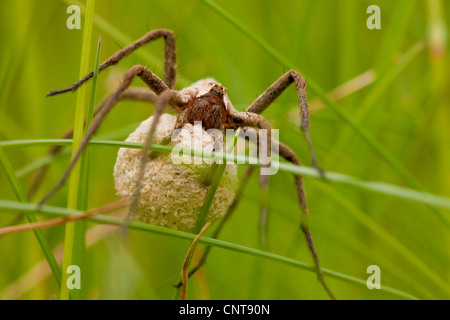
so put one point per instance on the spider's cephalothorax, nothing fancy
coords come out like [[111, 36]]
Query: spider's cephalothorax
[[210, 108]]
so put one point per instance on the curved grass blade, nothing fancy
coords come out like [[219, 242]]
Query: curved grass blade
[[4, 162]]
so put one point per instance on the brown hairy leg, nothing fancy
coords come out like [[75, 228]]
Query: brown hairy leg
[[259, 105], [170, 59], [238, 119], [267, 97], [149, 78], [168, 97], [288, 154], [138, 94]]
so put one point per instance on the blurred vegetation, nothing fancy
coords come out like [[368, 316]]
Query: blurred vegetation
[[400, 102]]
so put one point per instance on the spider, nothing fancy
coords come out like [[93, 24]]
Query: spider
[[212, 107]]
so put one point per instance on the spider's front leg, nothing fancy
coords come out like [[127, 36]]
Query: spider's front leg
[[170, 59], [265, 100], [269, 96], [152, 81], [251, 119]]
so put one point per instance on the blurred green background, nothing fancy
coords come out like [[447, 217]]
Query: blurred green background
[[395, 88]]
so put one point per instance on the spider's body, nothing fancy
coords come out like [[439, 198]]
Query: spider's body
[[205, 101]]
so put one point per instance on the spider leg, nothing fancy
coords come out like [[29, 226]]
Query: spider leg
[[139, 94], [264, 211], [288, 154], [256, 120], [249, 119], [268, 96], [152, 80], [168, 97], [260, 104], [237, 198], [170, 59]]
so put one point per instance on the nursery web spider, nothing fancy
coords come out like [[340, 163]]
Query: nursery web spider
[[213, 108]]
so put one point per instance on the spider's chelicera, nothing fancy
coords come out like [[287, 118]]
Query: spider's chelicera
[[205, 101]]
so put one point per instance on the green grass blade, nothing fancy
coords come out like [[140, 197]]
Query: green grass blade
[[217, 173], [48, 159], [64, 212], [217, 177], [74, 236], [381, 85], [393, 39], [374, 186], [83, 192], [384, 235], [30, 216]]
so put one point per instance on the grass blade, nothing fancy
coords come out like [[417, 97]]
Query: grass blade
[[374, 186], [64, 212], [74, 236], [30, 216]]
